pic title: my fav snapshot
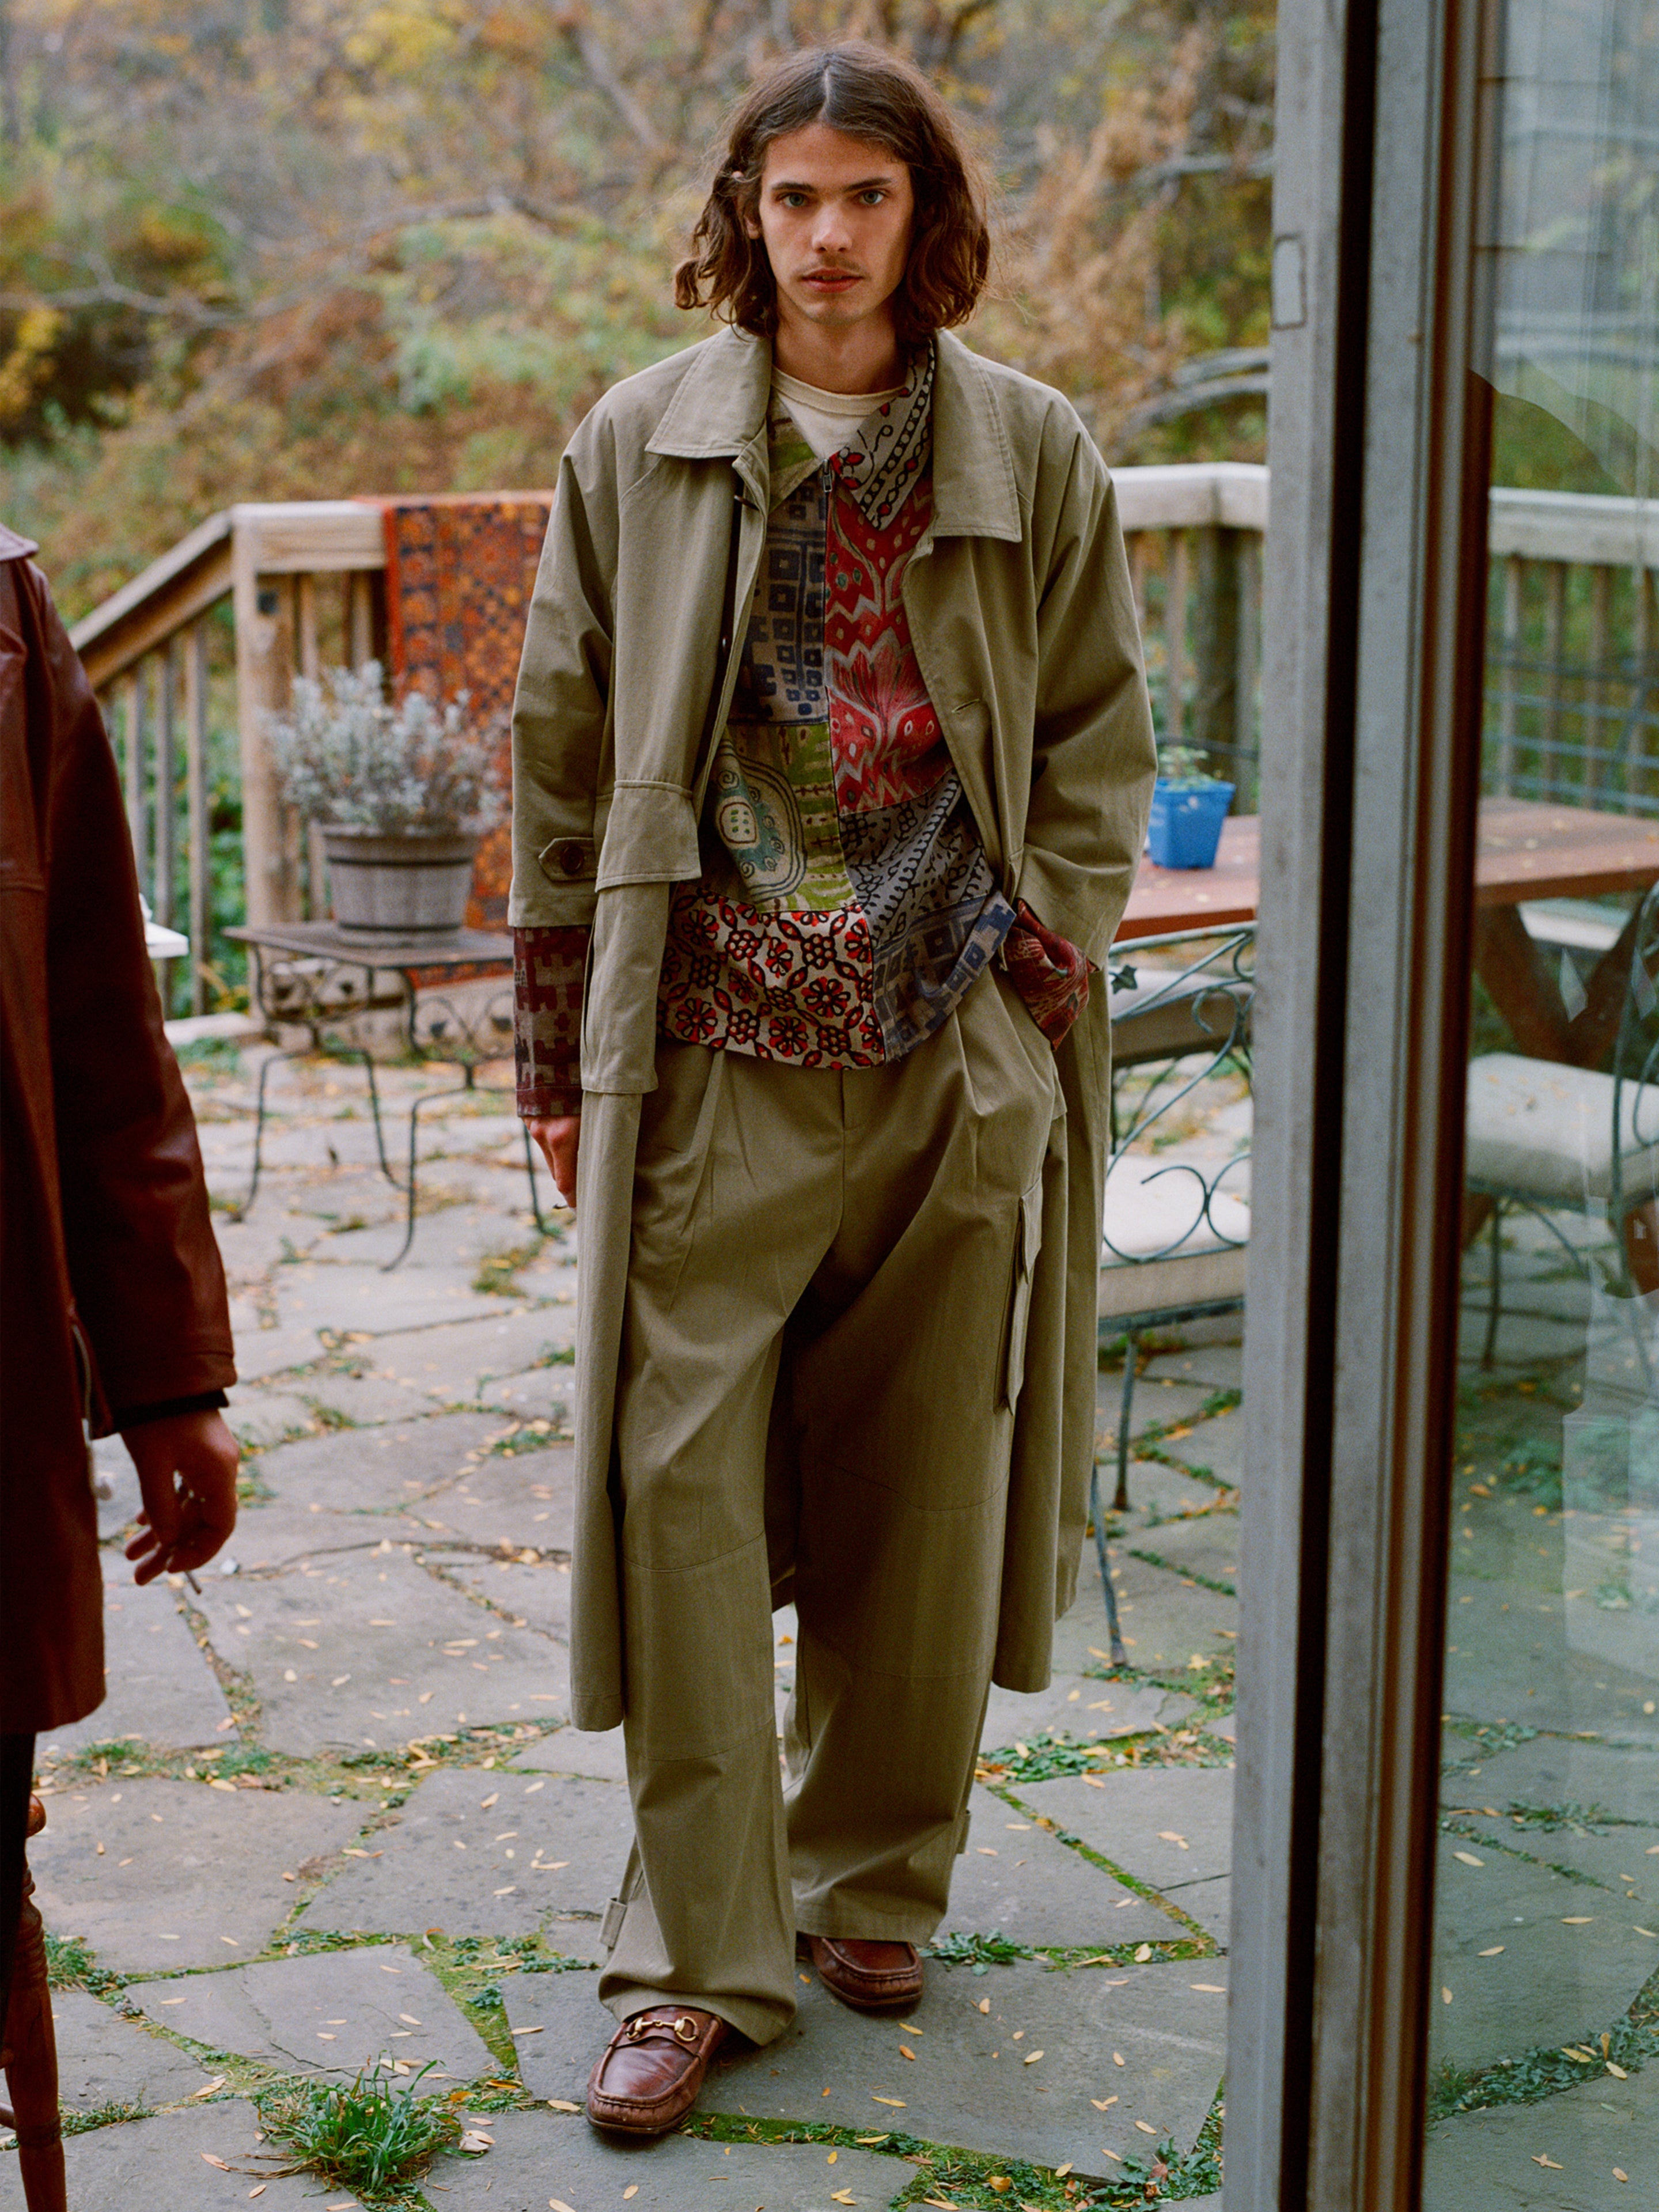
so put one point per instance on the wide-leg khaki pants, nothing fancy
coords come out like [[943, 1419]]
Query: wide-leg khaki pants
[[829, 1273]]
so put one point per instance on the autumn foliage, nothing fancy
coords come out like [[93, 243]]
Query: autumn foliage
[[257, 249]]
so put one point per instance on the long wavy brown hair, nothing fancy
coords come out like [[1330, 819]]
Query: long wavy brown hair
[[875, 96]]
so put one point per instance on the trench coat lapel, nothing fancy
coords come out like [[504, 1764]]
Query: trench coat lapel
[[719, 409]]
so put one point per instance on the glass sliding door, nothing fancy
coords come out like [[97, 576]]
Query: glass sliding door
[[1543, 1999]]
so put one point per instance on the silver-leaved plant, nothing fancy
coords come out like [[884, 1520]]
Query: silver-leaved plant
[[345, 753]]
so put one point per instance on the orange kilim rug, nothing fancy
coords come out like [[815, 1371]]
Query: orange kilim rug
[[458, 574]]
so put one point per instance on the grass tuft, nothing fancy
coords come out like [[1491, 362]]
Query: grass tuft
[[374, 2135]]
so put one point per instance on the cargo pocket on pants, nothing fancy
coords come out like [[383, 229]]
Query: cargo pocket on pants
[[1028, 1242]]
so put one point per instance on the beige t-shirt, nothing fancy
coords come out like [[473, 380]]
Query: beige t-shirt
[[827, 419]]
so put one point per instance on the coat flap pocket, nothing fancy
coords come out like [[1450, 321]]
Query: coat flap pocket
[[650, 836], [567, 860]]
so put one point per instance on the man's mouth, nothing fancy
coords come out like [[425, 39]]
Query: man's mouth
[[830, 280]]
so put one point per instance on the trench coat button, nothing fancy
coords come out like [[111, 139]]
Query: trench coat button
[[568, 854]]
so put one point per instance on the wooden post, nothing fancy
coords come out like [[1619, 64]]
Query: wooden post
[[1175, 636], [199, 855], [1138, 576], [1596, 711], [360, 628], [1555, 639], [1246, 722], [264, 662], [1509, 675], [132, 721], [1215, 716], [306, 595], [165, 666]]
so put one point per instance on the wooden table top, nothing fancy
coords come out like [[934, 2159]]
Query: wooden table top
[[1528, 849]]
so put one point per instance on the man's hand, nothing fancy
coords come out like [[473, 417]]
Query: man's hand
[[558, 1138], [187, 1471]]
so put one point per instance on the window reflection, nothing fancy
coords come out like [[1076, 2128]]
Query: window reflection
[[1544, 2037]]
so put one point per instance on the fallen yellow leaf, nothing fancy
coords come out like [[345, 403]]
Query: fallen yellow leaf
[[1030, 2058], [1117, 2058], [1555, 2166], [219, 2162], [1617, 2072], [1102, 2104], [897, 2103], [985, 2004], [1495, 1951], [1468, 1858], [1145, 2129], [562, 2104], [842, 2196], [905, 2052], [632, 2190], [1620, 2174], [1142, 1954]]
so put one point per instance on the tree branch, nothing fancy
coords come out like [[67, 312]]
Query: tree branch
[[585, 42]]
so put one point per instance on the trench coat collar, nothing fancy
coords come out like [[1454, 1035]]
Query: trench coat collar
[[720, 405]]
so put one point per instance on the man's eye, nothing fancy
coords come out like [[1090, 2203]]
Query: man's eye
[[874, 197], [792, 199]]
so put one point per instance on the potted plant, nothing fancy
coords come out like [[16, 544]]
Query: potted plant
[[1189, 805], [401, 791]]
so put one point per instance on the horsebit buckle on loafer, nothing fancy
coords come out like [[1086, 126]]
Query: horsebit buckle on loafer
[[684, 2029]]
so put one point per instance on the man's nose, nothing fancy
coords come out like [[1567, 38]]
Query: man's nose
[[830, 231]]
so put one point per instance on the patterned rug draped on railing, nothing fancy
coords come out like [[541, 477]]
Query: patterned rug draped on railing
[[460, 571]]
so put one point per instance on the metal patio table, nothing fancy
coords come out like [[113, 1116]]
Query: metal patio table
[[316, 975]]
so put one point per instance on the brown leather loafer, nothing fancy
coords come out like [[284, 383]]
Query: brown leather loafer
[[648, 2074], [869, 1976]]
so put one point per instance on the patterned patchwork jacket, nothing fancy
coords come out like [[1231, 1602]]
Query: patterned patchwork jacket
[[846, 904]]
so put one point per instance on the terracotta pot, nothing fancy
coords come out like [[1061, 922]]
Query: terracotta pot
[[414, 883]]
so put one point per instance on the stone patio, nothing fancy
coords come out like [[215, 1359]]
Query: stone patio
[[332, 1812]]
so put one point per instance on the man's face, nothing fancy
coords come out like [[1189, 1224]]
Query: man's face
[[835, 216]]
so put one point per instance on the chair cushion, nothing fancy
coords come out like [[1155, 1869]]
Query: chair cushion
[[1544, 1131]]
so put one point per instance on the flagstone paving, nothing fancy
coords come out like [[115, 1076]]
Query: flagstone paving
[[159, 1693], [330, 2012], [161, 1875], [208, 2159], [543, 2157], [105, 2059], [386, 1636]]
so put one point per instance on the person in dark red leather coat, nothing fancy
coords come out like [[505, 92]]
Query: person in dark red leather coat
[[112, 1308]]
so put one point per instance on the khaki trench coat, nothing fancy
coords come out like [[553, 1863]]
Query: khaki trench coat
[[1024, 628], [111, 1296]]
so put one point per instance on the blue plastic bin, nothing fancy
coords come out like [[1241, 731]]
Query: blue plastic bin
[[1185, 828]]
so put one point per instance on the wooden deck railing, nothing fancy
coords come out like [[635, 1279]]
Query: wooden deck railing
[[303, 580], [1572, 690]]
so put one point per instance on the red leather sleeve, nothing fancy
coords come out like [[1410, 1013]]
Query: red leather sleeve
[[142, 1260]]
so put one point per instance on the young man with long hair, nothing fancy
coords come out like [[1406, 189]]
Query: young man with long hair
[[832, 760]]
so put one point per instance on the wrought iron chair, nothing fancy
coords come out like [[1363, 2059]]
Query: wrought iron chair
[[1546, 1137], [1174, 1237]]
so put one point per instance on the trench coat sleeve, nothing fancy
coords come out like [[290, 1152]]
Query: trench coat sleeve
[[1093, 756], [143, 1263], [561, 713]]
